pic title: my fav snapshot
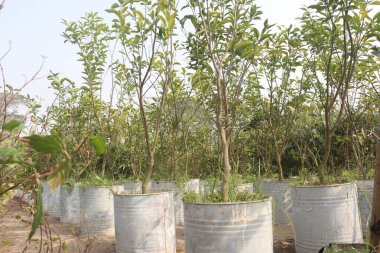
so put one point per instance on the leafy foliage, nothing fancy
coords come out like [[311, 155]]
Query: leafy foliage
[[99, 144], [12, 125], [37, 217], [44, 144], [216, 197]]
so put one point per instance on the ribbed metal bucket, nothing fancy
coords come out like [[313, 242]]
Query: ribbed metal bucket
[[209, 186], [325, 214], [248, 187], [178, 204], [163, 186], [69, 208], [133, 186], [145, 223], [54, 202], [45, 195], [96, 211], [365, 195], [243, 227], [256, 186], [193, 185], [281, 199]]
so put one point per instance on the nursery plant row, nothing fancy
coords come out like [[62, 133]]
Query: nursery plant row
[[319, 215]]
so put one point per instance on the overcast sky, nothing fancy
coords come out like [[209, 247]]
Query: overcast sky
[[35, 26]]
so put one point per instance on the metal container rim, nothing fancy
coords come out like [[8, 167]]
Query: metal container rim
[[126, 194], [322, 186], [98, 187], [284, 181]]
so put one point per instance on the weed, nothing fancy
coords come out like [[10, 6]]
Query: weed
[[95, 180], [346, 249], [5, 243], [215, 197]]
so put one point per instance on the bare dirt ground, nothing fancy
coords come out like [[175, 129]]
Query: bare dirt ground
[[15, 222]]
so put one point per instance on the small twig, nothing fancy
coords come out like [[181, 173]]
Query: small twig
[[374, 135], [10, 43], [35, 75], [57, 167]]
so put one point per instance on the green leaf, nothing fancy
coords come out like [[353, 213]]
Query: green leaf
[[214, 13], [317, 7], [99, 144], [115, 5], [111, 11], [11, 125], [171, 20], [38, 216], [243, 46], [7, 152], [64, 247], [44, 144], [192, 18], [364, 15]]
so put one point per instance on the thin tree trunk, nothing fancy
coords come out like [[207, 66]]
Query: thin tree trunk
[[226, 163], [149, 173], [358, 161], [186, 149], [147, 141], [279, 166], [322, 168], [276, 150], [174, 156], [220, 121]]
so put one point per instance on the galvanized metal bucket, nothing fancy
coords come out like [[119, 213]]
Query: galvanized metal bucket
[[365, 195], [145, 223], [53, 201], [193, 185], [163, 186], [281, 200], [45, 195], [247, 187], [242, 227], [178, 204], [325, 214], [69, 207], [133, 186], [209, 186], [96, 211]]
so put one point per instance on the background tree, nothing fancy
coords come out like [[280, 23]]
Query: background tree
[[281, 99], [222, 50], [337, 33], [145, 31]]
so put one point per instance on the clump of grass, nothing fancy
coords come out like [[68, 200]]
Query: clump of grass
[[68, 185], [311, 178], [216, 197], [346, 249], [95, 180], [5, 243]]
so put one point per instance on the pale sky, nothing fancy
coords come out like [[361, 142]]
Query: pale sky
[[34, 27]]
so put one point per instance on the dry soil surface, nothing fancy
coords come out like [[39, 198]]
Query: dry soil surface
[[16, 219]]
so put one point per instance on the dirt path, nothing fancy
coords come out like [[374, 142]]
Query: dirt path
[[15, 223]]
